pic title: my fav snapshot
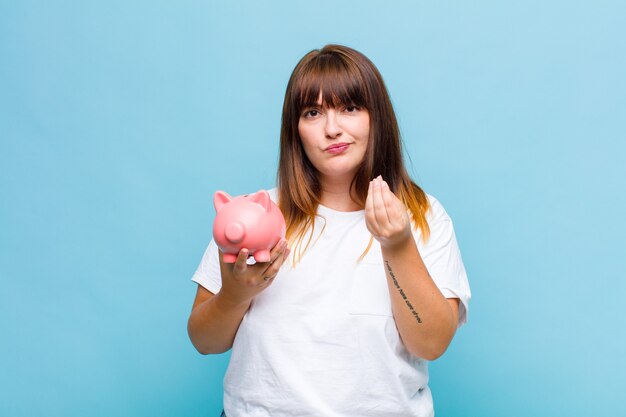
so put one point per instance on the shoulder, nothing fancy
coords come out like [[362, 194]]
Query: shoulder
[[441, 229], [437, 212]]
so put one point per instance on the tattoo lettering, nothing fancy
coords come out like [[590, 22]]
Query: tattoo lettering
[[402, 294]]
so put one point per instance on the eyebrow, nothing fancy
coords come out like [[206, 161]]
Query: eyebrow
[[330, 104]]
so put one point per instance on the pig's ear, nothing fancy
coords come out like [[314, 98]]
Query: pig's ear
[[263, 198], [220, 198]]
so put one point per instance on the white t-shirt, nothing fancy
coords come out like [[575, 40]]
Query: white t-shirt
[[321, 340]]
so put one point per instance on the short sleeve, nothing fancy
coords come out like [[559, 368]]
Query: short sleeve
[[442, 258], [208, 273]]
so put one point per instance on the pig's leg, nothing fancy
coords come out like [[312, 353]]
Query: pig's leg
[[262, 256], [230, 258]]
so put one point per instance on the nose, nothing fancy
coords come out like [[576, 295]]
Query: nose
[[332, 127], [235, 232]]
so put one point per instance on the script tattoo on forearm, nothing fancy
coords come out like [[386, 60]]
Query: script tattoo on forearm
[[402, 294]]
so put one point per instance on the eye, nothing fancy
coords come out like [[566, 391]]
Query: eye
[[311, 113], [351, 109]]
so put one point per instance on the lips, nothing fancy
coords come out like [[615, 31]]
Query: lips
[[337, 148]]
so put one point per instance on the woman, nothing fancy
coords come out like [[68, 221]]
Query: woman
[[374, 288]]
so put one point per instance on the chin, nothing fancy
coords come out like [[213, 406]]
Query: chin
[[339, 173]]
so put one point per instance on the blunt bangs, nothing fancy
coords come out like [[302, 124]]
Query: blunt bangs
[[339, 82]]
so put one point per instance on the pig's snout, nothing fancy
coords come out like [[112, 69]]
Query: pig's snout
[[235, 232]]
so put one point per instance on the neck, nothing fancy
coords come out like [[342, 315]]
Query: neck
[[336, 195]]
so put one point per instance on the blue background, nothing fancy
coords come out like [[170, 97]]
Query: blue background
[[118, 121]]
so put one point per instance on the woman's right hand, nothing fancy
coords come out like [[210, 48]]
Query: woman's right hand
[[242, 282]]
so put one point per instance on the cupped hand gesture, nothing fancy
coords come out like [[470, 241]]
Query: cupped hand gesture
[[242, 282], [385, 215]]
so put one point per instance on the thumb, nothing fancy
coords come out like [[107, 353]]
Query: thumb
[[241, 263]]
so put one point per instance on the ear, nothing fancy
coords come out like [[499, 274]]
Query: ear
[[220, 198], [262, 197]]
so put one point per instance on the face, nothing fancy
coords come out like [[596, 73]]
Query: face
[[335, 139]]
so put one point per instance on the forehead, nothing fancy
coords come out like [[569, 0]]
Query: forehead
[[329, 101], [329, 86]]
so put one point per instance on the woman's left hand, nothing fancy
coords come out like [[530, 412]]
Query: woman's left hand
[[385, 215]]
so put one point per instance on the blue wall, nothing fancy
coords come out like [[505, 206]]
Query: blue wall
[[118, 121]]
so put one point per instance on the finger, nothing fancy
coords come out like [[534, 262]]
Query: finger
[[391, 203], [398, 213], [276, 251], [274, 254], [380, 211], [241, 263], [274, 267], [370, 218]]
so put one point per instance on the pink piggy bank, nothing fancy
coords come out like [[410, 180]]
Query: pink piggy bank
[[252, 221]]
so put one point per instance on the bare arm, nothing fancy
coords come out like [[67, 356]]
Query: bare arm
[[215, 318], [426, 320], [214, 321]]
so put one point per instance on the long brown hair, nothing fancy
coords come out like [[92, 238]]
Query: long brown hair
[[343, 76]]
